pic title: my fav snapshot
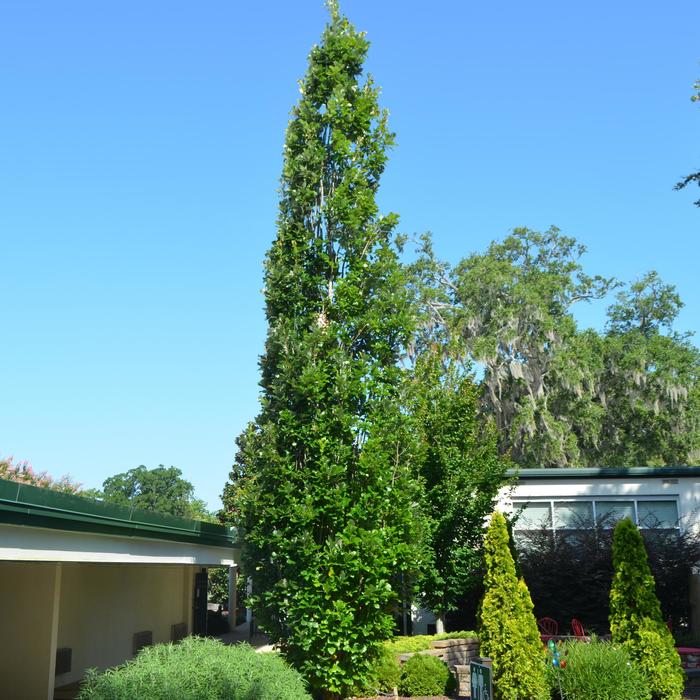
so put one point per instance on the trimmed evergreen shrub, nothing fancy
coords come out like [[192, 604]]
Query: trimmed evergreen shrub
[[197, 669], [425, 675], [636, 621], [597, 671], [507, 628]]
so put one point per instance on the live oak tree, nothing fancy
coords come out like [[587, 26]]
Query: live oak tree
[[324, 484], [562, 396]]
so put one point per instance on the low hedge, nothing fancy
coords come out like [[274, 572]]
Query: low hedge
[[421, 642], [197, 669]]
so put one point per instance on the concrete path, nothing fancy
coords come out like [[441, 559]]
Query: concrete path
[[258, 641]]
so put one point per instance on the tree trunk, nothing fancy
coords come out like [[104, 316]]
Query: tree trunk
[[440, 624]]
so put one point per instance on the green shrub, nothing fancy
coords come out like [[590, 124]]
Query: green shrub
[[421, 642], [597, 671], [508, 629], [197, 669], [425, 675], [383, 676], [636, 621]]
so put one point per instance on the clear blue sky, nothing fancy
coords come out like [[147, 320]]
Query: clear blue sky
[[140, 151]]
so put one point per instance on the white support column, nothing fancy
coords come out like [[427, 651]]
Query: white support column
[[232, 596], [55, 610]]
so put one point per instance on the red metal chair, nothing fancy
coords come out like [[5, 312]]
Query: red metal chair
[[548, 628], [577, 629]]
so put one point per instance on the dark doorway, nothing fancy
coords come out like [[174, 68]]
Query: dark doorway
[[199, 614]]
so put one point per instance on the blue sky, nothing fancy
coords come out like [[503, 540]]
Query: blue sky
[[140, 152]]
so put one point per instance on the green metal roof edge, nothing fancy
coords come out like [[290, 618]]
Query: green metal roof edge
[[22, 504], [525, 474]]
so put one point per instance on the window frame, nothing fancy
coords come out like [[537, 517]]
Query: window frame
[[520, 503]]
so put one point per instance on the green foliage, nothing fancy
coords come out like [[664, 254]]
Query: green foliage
[[562, 396], [161, 489], [197, 669], [425, 675], [597, 671], [420, 642], [323, 482], [636, 621], [384, 674], [462, 472], [507, 628]]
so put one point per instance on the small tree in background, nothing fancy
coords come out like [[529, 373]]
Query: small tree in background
[[636, 621], [161, 489], [462, 471], [507, 627]]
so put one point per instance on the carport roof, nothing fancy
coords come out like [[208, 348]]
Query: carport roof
[[22, 504]]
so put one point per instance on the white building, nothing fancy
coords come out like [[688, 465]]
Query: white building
[[86, 584], [564, 499]]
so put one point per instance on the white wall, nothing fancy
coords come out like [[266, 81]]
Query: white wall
[[686, 490], [103, 605], [27, 595], [20, 543]]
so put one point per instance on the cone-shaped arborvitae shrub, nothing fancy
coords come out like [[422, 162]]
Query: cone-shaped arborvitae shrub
[[325, 484], [507, 626], [636, 621]]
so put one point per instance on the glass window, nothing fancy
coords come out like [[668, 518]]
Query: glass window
[[609, 512], [573, 515], [657, 514], [533, 516]]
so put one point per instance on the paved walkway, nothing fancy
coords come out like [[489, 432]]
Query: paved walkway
[[242, 634]]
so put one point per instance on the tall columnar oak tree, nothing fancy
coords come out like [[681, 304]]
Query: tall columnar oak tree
[[636, 621], [507, 627], [327, 500]]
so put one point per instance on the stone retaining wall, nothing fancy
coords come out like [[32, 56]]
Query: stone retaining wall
[[456, 653]]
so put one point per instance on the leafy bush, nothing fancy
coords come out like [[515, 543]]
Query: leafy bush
[[383, 676], [420, 642], [425, 675], [635, 615], [197, 669], [597, 671], [508, 629]]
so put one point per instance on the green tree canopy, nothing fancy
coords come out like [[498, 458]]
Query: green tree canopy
[[560, 395], [462, 472], [161, 489], [323, 482]]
